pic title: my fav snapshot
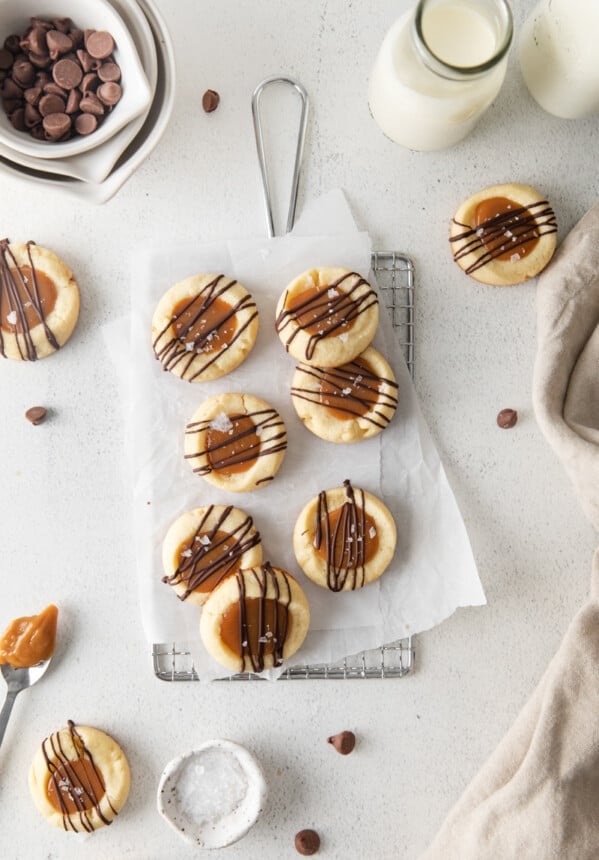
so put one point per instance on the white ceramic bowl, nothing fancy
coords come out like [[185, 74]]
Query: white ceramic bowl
[[213, 795], [95, 164], [92, 14], [140, 148]]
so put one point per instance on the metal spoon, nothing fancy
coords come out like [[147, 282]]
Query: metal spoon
[[17, 680]]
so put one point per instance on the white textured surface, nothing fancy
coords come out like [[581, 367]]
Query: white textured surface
[[65, 529]]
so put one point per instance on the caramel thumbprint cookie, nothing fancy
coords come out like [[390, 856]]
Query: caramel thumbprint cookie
[[236, 442], [79, 778], [204, 327], [504, 235], [205, 546], [344, 538], [326, 317], [39, 301], [348, 403], [255, 620]]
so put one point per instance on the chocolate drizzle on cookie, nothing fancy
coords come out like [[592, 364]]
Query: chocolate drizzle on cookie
[[350, 391], [214, 552], [75, 785], [346, 538], [233, 442], [22, 303], [508, 235], [203, 320], [263, 622], [325, 311]]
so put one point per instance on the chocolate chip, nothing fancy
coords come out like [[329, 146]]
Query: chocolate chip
[[344, 742], [40, 61], [56, 125], [90, 103], [11, 105], [36, 41], [507, 419], [32, 116], [67, 74], [73, 102], [307, 842], [85, 60], [36, 414], [37, 132], [76, 37], [11, 43], [10, 90], [99, 44], [110, 93], [63, 25], [58, 43], [109, 72], [33, 95], [6, 59], [89, 83], [51, 87], [42, 78], [51, 103], [17, 118], [210, 100], [86, 123]]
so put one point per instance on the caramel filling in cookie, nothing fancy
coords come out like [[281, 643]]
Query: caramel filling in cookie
[[256, 626], [207, 559], [349, 390], [234, 450], [503, 231], [346, 538], [324, 310], [503, 221], [29, 296], [75, 786], [207, 328]]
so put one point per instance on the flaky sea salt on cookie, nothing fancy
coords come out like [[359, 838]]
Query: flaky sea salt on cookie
[[348, 403], [79, 778], [504, 234], [205, 546], [236, 442], [328, 316], [39, 301], [344, 538], [255, 620], [204, 327]]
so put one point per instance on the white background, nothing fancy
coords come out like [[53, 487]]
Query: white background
[[65, 513]]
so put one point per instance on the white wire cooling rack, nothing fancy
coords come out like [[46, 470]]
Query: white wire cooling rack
[[394, 273]]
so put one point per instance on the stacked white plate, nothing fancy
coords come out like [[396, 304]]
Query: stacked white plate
[[98, 173]]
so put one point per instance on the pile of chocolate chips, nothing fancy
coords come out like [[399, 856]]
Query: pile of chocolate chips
[[58, 81]]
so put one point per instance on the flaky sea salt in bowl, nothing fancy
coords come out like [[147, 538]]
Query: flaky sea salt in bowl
[[212, 795]]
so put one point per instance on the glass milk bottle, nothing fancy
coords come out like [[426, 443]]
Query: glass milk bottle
[[439, 68], [559, 56]]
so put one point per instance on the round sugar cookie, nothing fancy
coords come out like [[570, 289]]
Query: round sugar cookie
[[236, 442], [328, 316], [39, 301], [204, 546], [79, 778], [504, 234], [204, 327], [344, 538], [255, 619], [347, 403]]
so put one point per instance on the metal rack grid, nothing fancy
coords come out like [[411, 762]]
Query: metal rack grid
[[173, 662]]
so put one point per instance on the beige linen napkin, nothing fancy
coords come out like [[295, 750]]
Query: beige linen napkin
[[537, 796]]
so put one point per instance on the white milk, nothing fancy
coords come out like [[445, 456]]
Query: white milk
[[410, 97], [559, 56]]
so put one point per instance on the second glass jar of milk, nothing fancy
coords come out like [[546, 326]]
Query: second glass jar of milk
[[439, 68]]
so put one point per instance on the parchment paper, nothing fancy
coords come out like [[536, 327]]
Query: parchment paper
[[433, 571]]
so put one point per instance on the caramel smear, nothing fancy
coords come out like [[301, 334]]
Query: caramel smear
[[507, 228], [30, 640], [208, 326], [27, 301], [75, 786]]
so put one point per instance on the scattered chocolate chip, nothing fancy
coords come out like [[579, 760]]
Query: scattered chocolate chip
[[36, 414], [99, 44], [210, 100], [307, 842], [507, 419], [344, 742]]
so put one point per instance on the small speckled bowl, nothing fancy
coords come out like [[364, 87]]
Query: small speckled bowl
[[213, 795]]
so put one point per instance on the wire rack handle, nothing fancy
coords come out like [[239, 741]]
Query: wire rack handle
[[299, 150]]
